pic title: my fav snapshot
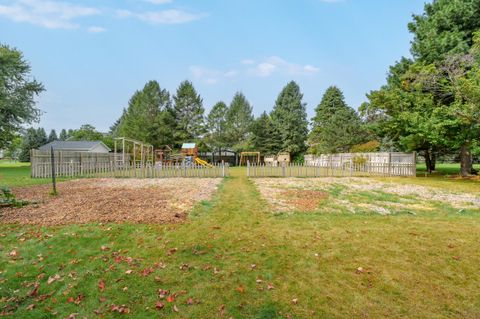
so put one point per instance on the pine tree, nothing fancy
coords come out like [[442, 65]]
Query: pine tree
[[216, 126], [239, 121], [189, 113], [290, 119], [336, 126], [52, 136], [63, 135], [265, 137], [32, 139]]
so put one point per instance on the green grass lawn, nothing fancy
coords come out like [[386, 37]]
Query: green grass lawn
[[234, 258]]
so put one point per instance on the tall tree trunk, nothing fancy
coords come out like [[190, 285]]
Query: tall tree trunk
[[466, 165], [428, 161], [433, 160]]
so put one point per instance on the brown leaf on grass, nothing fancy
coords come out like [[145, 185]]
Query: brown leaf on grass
[[77, 300], [120, 309], [221, 310], [259, 281], [184, 267], [163, 293], [270, 286], [457, 257], [360, 270], [34, 291], [14, 253], [102, 299], [128, 272], [189, 301], [101, 285], [52, 279], [294, 301], [147, 271], [104, 248], [31, 306], [72, 316], [241, 289], [175, 308], [159, 305], [171, 298], [172, 251]]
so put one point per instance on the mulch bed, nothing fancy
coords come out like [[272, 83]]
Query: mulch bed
[[304, 200], [150, 201]]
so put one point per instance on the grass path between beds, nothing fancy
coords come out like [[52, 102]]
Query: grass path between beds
[[234, 259]]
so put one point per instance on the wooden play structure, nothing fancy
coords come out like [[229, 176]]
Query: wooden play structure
[[275, 160], [190, 154], [133, 152], [252, 157]]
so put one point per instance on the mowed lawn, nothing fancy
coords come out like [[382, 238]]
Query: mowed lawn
[[236, 258]]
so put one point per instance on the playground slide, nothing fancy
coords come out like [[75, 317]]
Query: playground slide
[[202, 162]]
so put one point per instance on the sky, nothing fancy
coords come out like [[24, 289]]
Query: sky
[[92, 56]]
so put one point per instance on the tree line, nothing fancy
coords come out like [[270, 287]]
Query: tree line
[[430, 104]]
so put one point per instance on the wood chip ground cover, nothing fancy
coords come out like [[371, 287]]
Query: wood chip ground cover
[[356, 195], [81, 201]]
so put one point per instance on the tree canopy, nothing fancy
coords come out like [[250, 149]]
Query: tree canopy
[[17, 94]]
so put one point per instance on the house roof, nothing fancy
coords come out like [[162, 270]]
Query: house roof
[[72, 145], [188, 145]]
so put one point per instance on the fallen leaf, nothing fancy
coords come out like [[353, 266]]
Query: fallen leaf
[[184, 267], [162, 293], [104, 248], [457, 257], [13, 253], [221, 310], [125, 288], [175, 308], [128, 272], [270, 286], [259, 281], [189, 301], [360, 270], [52, 279], [171, 298], [31, 306], [172, 251], [101, 285], [294, 301], [241, 289], [159, 305], [119, 309], [34, 291]]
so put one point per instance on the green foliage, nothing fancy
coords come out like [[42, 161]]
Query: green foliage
[[265, 137], [8, 199], [368, 147], [239, 121], [188, 113], [32, 139], [446, 27], [17, 94], [336, 126], [290, 119], [52, 136], [216, 126], [63, 135], [86, 132], [148, 118]]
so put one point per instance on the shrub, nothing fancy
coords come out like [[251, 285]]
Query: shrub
[[372, 146]]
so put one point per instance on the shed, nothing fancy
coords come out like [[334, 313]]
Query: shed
[[76, 146]]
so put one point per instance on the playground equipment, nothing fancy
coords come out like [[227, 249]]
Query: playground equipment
[[133, 152], [198, 160], [272, 160], [190, 155], [253, 157]]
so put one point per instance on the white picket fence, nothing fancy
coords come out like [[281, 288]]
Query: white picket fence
[[340, 165], [109, 169]]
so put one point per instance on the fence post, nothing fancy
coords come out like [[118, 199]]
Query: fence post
[[351, 166], [54, 182], [223, 168], [283, 169], [248, 168], [389, 164]]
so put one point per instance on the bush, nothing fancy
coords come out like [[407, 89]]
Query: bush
[[8, 199], [372, 146]]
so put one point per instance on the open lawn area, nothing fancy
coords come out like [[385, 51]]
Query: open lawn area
[[258, 248]]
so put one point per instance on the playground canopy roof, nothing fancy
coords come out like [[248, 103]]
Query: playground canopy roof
[[188, 145]]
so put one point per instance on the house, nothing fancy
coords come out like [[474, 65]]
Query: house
[[76, 146]]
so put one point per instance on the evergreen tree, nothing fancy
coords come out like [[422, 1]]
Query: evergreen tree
[[148, 118], [86, 132], [216, 126], [265, 137], [290, 119], [63, 135], [32, 139], [239, 121], [52, 136], [189, 113], [335, 127]]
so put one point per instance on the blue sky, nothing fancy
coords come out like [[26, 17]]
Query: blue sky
[[92, 55]]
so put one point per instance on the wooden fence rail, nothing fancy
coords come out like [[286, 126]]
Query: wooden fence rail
[[335, 169], [109, 169]]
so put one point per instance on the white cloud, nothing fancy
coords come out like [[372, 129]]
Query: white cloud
[[211, 76], [171, 16], [96, 29], [159, 1], [47, 14], [275, 64]]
